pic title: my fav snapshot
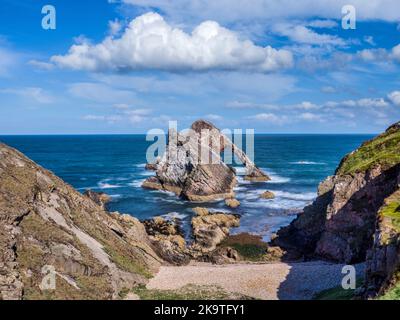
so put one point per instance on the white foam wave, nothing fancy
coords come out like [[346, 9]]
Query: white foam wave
[[170, 193], [277, 179], [305, 196], [105, 185], [307, 162], [137, 183], [147, 173], [140, 165], [175, 215], [284, 204]]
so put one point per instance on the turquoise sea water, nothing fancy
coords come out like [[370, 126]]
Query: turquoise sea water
[[115, 164]]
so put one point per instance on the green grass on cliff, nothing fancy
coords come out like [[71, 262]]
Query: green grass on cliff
[[383, 150], [392, 294], [392, 211]]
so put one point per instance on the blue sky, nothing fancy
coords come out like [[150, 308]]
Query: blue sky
[[129, 66]]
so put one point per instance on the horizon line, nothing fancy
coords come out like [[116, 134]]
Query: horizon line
[[143, 134]]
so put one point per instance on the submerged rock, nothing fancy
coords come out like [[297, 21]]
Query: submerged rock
[[267, 195], [192, 166], [232, 203], [256, 175]]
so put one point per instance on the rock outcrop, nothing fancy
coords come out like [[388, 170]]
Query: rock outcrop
[[49, 229], [345, 221], [168, 240], [192, 166], [99, 198], [210, 229]]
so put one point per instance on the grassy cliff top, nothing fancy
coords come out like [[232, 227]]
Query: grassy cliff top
[[383, 150]]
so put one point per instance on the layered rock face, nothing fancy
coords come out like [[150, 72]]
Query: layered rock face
[[343, 223], [192, 166], [47, 226], [383, 259]]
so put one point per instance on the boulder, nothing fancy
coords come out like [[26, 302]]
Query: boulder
[[267, 195], [232, 203], [222, 255]]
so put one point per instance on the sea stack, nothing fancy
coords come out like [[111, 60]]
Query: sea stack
[[182, 168]]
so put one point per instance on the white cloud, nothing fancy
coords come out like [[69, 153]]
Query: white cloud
[[328, 89], [373, 55], [380, 54], [109, 119], [7, 61], [363, 103], [270, 118], [150, 43], [123, 112], [394, 97], [302, 34], [370, 40], [41, 65], [250, 105], [101, 93], [307, 116], [32, 93], [306, 105], [114, 27], [229, 11], [213, 117], [395, 54], [325, 24]]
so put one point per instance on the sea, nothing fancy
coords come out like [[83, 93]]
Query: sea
[[115, 164]]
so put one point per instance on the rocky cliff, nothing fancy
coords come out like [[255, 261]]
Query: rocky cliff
[[347, 221], [48, 228]]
